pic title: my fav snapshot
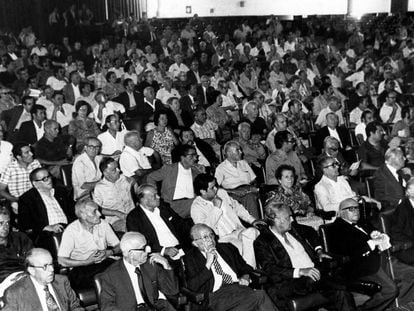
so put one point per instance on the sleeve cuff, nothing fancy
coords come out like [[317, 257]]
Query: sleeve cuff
[[296, 273], [371, 244]]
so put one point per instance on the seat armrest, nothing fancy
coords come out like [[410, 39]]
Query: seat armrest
[[364, 287], [178, 300], [195, 297], [325, 215]]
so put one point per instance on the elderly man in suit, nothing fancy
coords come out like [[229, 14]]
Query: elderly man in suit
[[44, 209], [41, 289], [140, 281], [362, 244], [402, 225], [177, 181], [218, 271], [71, 91], [389, 180], [129, 99], [290, 256]]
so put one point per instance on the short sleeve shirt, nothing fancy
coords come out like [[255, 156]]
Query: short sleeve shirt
[[230, 177], [369, 154]]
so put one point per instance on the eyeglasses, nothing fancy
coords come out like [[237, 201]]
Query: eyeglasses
[[351, 208], [44, 179], [334, 149], [206, 237], [44, 267], [94, 147], [139, 249], [334, 164]]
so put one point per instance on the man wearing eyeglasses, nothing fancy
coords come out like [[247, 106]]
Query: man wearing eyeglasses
[[290, 254], [44, 209], [332, 189], [391, 111], [140, 281], [41, 289], [218, 271], [363, 245]]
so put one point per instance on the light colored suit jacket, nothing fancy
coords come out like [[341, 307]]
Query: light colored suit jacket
[[22, 296]]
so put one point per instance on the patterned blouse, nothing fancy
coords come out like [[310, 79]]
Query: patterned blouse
[[298, 202], [163, 143]]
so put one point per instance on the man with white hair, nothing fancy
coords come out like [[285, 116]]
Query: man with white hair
[[140, 281], [389, 179], [41, 289]]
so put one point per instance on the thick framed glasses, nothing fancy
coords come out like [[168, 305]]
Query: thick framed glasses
[[44, 179], [44, 267], [206, 237]]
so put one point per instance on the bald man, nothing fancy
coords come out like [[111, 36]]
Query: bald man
[[363, 245], [122, 288], [41, 289]]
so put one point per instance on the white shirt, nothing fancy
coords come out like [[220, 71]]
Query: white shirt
[[132, 160], [395, 174], [175, 69], [355, 115], [360, 129], [25, 116], [163, 95], [40, 290], [56, 84], [84, 170], [111, 144], [386, 111], [218, 280], [39, 130], [76, 91], [201, 158], [63, 118], [297, 254], [164, 234], [5, 155], [132, 102], [110, 108], [184, 185], [321, 119], [334, 133], [54, 211], [134, 280]]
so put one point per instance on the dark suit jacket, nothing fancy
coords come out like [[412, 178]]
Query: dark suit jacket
[[11, 117], [199, 279], [138, 221], [205, 149], [141, 86], [22, 295], [123, 99], [272, 257], [33, 213], [187, 110], [347, 240], [145, 112], [26, 133], [191, 77], [402, 225], [118, 293], [386, 188], [69, 93], [324, 132], [168, 176], [200, 95]]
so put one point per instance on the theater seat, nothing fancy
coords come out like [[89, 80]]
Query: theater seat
[[311, 301]]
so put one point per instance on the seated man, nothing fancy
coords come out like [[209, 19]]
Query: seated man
[[391, 110], [205, 129], [206, 155], [334, 106], [44, 209], [85, 243], [361, 244], [53, 149], [85, 168], [361, 135], [356, 113], [156, 222], [332, 189], [41, 289], [136, 160], [32, 131], [13, 249], [139, 280], [389, 180], [113, 138], [236, 176], [177, 181], [284, 154], [218, 271], [105, 108], [218, 210], [332, 129], [402, 226], [15, 179], [290, 261], [113, 194], [371, 152]]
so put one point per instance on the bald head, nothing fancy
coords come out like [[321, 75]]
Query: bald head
[[349, 210]]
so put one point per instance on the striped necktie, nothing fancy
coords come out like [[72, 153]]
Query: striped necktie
[[227, 279]]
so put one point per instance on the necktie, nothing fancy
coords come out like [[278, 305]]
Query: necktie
[[50, 301], [400, 179], [142, 288], [287, 241], [226, 277]]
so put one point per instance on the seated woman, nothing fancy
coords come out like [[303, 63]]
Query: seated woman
[[162, 138], [236, 176], [112, 89], [253, 151], [291, 195], [82, 126]]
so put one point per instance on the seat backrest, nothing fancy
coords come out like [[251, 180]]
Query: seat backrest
[[97, 283], [386, 221], [325, 234], [56, 238], [369, 182], [66, 171]]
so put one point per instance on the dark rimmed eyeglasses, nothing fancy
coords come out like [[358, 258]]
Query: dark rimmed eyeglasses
[[44, 179], [351, 208], [142, 249], [334, 164], [44, 267], [206, 237]]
